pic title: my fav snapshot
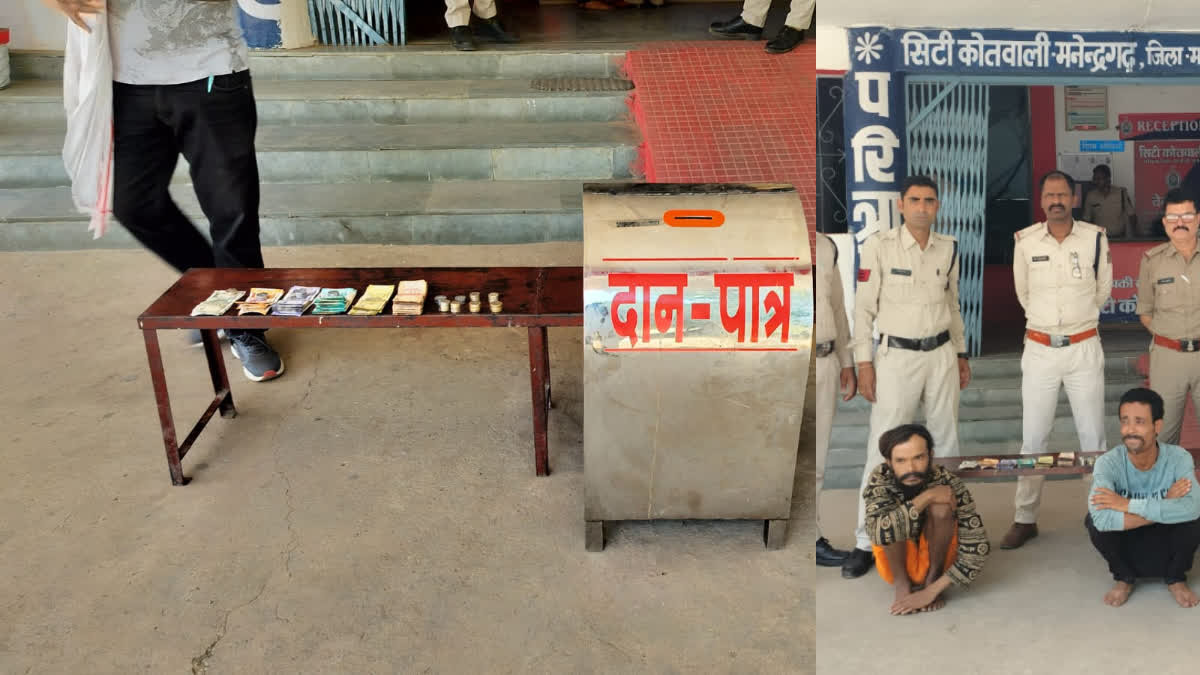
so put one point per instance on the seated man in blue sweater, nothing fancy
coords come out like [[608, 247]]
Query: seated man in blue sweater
[[1144, 507]]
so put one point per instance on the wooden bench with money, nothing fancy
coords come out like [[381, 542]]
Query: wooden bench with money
[[534, 298], [1045, 464]]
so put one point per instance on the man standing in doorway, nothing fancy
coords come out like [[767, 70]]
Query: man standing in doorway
[[908, 289], [458, 18], [835, 371], [1109, 206], [181, 85], [1063, 275], [749, 24], [1169, 307]]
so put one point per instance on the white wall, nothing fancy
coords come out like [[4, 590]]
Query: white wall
[[1048, 15], [34, 26], [1125, 99]]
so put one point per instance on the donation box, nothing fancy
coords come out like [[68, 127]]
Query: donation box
[[698, 311]]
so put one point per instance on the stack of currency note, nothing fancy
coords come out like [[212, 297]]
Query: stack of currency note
[[410, 298], [297, 301], [259, 300], [373, 300], [218, 303], [334, 300], [1066, 459]]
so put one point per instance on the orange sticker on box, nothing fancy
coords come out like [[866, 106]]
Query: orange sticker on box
[[694, 218]]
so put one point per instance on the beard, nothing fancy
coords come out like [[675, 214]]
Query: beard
[[911, 491]]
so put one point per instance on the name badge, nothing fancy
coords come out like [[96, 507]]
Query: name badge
[[1041, 258], [903, 273], [1167, 280]]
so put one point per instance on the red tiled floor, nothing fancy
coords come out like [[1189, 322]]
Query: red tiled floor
[[721, 112]]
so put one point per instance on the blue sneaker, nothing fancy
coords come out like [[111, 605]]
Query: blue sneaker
[[259, 361]]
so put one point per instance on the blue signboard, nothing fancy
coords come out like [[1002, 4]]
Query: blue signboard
[[1102, 146], [260, 23], [934, 51]]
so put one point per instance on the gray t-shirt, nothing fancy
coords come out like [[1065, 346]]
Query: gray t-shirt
[[175, 41]]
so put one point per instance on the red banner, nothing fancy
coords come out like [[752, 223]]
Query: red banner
[[1160, 166], [1159, 126], [1126, 257]]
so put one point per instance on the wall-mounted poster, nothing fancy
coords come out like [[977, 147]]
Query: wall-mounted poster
[[1086, 108], [1160, 166]]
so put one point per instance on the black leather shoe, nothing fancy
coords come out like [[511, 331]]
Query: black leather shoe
[[785, 41], [828, 556], [462, 39], [736, 29], [858, 563], [492, 31]]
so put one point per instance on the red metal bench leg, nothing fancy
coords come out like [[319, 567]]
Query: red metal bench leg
[[539, 380], [216, 370], [159, 379]]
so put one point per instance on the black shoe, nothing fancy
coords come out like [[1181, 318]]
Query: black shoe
[[736, 29], [492, 31], [858, 563], [462, 39], [828, 556], [785, 41]]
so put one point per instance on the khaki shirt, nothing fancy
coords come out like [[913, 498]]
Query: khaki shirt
[[831, 321], [1055, 282], [1111, 211], [907, 292], [1169, 291]]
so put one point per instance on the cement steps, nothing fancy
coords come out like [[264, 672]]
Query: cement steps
[[459, 212]]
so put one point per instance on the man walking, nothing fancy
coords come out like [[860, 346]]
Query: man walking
[[1063, 275], [908, 289]]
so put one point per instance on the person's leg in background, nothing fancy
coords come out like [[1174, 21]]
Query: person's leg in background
[[1041, 378], [216, 126], [746, 26], [827, 395], [798, 20]]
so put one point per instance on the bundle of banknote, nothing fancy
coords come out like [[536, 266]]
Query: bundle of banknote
[[1066, 459], [1008, 464], [989, 463], [968, 465], [373, 300], [334, 300], [1026, 462], [218, 303], [259, 300], [410, 298], [1045, 461], [297, 301]]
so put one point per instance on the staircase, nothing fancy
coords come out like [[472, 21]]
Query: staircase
[[989, 420], [425, 146]]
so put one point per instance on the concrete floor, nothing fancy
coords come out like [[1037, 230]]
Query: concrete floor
[[373, 511], [1037, 609]]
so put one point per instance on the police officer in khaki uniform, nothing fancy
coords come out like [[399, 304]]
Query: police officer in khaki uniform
[[908, 289], [1169, 307], [1063, 275], [835, 371]]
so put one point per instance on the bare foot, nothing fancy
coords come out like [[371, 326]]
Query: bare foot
[[902, 592], [1119, 594], [1183, 595], [938, 603], [912, 603]]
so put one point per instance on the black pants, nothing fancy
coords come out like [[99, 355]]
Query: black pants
[[1157, 550], [214, 130]]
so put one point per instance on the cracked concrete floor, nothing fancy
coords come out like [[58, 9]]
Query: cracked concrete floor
[[373, 511]]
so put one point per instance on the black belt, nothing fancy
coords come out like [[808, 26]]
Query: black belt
[[825, 348], [919, 345]]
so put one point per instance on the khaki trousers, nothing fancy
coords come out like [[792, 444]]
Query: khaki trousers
[[1172, 375], [828, 394], [458, 12], [1078, 368], [754, 12], [903, 380]]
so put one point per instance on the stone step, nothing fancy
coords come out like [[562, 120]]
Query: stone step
[[426, 62], [452, 212], [30, 156], [1004, 392], [998, 423], [1115, 363], [380, 101]]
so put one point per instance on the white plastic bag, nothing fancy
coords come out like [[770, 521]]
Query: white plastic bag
[[87, 95]]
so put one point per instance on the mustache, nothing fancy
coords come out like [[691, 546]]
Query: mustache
[[913, 474], [1133, 438]]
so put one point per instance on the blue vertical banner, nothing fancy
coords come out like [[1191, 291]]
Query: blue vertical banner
[[260, 23], [874, 114]]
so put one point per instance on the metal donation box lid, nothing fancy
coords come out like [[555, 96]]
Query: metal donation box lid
[[698, 314]]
